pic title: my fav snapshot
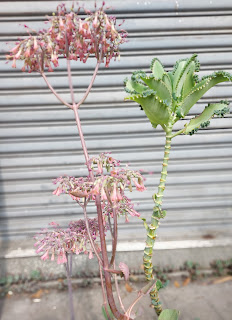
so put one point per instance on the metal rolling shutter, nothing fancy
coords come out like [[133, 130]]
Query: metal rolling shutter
[[38, 135]]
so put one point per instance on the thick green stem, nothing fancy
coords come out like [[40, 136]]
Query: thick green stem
[[156, 216]]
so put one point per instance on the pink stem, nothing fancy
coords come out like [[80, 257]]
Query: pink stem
[[103, 292], [115, 238], [54, 91], [90, 236], [118, 291], [90, 86]]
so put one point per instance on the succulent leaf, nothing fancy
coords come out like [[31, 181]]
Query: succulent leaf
[[167, 79], [202, 87], [181, 73], [134, 87], [203, 119], [156, 110], [189, 82], [159, 87], [157, 68]]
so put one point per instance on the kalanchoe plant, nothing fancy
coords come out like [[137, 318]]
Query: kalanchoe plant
[[167, 97], [73, 38]]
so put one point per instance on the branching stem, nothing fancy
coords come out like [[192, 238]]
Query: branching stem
[[54, 92], [177, 133]]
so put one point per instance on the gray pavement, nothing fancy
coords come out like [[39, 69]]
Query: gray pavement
[[201, 300]]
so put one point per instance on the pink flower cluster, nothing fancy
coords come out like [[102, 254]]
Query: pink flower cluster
[[71, 37], [77, 188], [122, 207], [59, 242], [103, 160], [111, 187]]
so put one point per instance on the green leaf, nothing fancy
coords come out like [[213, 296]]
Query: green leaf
[[134, 87], [157, 68], [203, 119], [202, 87], [160, 88], [189, 82], [167, 79], [155, 109], [178, 69], [169, 314]]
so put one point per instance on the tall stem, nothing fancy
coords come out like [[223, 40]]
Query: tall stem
[[156, 216], [70, 294], [107, 274]]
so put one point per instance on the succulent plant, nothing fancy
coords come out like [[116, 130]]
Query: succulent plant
[[167, 97]]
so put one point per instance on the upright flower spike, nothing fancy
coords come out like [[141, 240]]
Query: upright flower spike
[[166, 97]]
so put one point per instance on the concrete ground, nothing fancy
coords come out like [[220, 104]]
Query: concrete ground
[[201, 300]]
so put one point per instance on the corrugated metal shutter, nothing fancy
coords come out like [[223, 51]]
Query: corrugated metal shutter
[[38, 135]]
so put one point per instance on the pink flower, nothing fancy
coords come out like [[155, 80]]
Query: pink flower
[[90, 255], [139, 187], [27, 52], [45, 256], [119, 196], [96, 189], [95, 21], [103, 194], [58, 191], [134, 213], [54, 59], [50, 68], [35, 44], [18, 54], [108, 24], [61, 258], [40, 248], [15, 49], [114, 194], [61, 24], [14, 64]]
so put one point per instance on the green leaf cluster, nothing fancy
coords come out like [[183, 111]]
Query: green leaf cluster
[[167, 97]]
